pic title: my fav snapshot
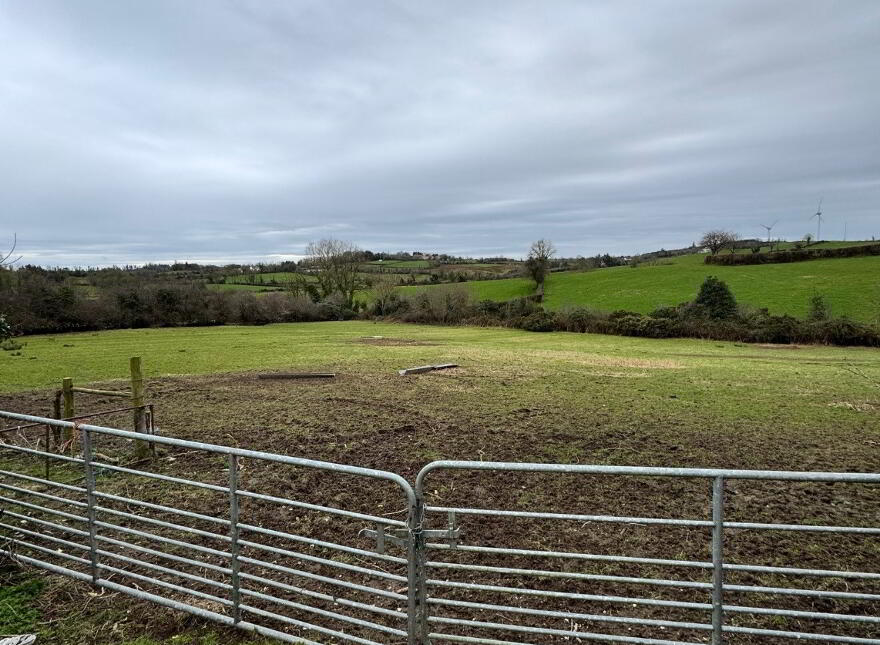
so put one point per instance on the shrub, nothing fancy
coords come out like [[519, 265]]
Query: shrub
[[11, 345], [538, 321], [842, 331], [797, 254], [819, 309], [716, 298], [5, 328], [644, 326]]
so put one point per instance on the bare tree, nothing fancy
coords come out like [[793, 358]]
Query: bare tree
[[538, 260], [385, 296], [732, 242], [6, 260], [717, 240], [337, 266]]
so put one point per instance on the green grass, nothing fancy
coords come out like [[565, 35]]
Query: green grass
[[258, 288], [401, 264], [17, 594], [518, 396], [278, 276], [850, 285], [99, 356]]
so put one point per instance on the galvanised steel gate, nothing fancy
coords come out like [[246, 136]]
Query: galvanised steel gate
[[200, 533]]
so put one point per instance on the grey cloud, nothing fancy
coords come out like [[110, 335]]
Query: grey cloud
[[240, 130]]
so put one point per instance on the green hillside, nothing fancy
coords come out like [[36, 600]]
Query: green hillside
[[851, 286]]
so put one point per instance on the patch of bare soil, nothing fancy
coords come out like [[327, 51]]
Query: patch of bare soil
[[384, 422], [778, 346], [383, 341]]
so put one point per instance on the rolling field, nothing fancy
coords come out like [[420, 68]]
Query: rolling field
[[401, 264], [850, 285], [517, 396]]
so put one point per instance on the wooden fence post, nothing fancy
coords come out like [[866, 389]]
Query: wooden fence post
[[67, 394], [138, 396]]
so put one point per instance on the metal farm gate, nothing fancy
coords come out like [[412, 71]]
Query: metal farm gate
[[475, 552]]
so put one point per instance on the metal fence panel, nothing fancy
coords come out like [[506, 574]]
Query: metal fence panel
[[558, 592], [200, 551], [205, 530]]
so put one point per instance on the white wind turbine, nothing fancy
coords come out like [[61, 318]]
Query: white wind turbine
[[769, 228], [818, 216]]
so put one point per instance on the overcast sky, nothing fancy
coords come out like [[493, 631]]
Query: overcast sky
[[224, 130]]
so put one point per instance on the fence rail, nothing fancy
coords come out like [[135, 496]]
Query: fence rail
[[366, 577]]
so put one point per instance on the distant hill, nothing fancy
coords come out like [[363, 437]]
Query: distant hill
[[851, 285]]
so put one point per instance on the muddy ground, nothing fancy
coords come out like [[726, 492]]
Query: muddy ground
[[385, 422]]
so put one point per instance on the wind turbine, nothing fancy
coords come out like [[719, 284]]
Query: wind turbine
[[769, 228], [818, 217]]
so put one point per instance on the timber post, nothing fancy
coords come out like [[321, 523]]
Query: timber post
[[67, 395], [141, 448]]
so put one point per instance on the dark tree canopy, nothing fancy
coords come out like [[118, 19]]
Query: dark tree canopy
[[716, 298]]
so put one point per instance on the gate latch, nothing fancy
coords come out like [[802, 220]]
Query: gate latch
[[401, 536]]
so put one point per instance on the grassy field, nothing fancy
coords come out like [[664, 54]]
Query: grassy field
[[517, 396], [401, 264], [234, 286], [850, 285]]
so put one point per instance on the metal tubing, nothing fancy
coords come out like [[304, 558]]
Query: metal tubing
[[160, 538], [717, 560], [240, 452], [627, 620], [162, 523], [802, 636], [54, 498], [46, 523], [43, 509], [308, 626], [330, 563], [166, 478], [233, 537], [323, 612], [43, 536], [645, 471], [573, 517], [323, 509], [42, 549], [793, 613], [556, 632], [572, 555], [813, 593], [863, 530], [160, 507], [40, 453], [90, 501], [168, 556], [321, 543], [569, 595], [471, 639], [827, 573], [392, 613], [166, 585], [573, 575], [166, 570], [172, 604], [46, 482], [332, 581]]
